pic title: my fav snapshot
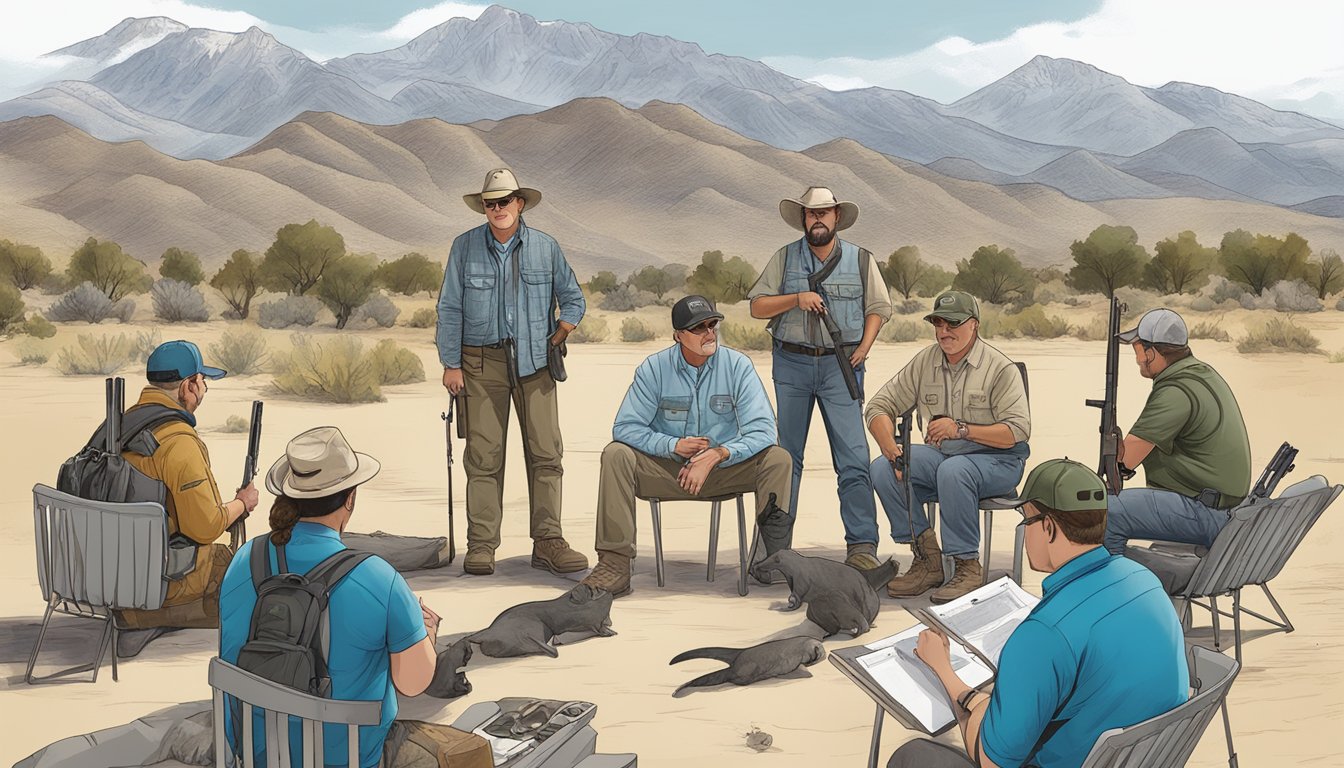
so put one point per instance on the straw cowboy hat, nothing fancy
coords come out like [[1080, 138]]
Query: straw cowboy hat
[[817, 197], [319, 463], [500, 182]]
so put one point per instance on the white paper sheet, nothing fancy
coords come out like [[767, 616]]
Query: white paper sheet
[[988, 615], [912, 683]]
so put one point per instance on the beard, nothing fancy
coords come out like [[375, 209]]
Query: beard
[[819, 235], [708, 348]]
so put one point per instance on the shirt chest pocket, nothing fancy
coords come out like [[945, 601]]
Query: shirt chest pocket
[[978, 408], [795, 281], [721, 404], [478, 299], [675, 409]]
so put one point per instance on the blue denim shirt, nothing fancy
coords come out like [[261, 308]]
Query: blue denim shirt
[[722, 400], [482, 302]]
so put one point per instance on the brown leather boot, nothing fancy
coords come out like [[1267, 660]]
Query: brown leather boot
[[966, 578], [862, 556], [480, 560], [611, 574], [556, 556], [925, 573]]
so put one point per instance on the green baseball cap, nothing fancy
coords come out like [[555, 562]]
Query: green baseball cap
[[954, 307], [1065, 486]]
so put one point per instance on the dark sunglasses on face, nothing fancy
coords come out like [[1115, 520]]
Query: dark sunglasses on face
[[502, 202], [705, 327], [939, 322]]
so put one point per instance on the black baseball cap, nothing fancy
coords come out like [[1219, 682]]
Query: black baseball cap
[[692, 311]]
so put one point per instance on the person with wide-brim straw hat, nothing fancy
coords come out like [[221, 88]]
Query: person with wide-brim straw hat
[[501, 344], [821, 273]]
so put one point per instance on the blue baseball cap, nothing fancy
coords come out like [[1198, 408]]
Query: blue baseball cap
[[177, 360]]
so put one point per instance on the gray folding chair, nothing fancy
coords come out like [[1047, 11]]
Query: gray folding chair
[[1168, 740], [94, 557], [278, 703], [1250, 550], [715, 504]]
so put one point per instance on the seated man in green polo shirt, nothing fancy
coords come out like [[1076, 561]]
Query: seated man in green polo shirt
[[1102, 649], [1190, 439]]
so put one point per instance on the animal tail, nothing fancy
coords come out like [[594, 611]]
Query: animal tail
[[726, 655], [704, 681], [878, 577]]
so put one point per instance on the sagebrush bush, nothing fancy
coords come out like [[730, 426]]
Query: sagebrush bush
[[633, 329], [1339, 305], [1221, 289], [591, 330], [339, 369], [1293, 296], [235, 424], [85, 303], [241, 354], [39, 327], [899, 331], [1279, 334], [379, 311], [178, 302], [626, 298], [11, 306], [1202, 304], [33, 353], [1337, 357], [424, 318], [144, 343], [95, 355], [289, 311], [909, 306], [1212, 331], [1095, 330], [1033, 323], [394, 364], [752, 337]]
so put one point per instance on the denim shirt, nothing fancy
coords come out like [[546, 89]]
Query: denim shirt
[[722, 400], [482, 302]]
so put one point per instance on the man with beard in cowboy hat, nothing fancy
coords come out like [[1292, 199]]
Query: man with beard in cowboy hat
[[494, 334], [849, 288]]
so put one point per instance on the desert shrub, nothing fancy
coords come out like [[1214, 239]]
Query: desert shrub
[[634, 329], [722, 281], [752, 337], [337, 370], [378, 310], [1339, 305], [85, 303], [992, 274], [110, 269], [626, 298], [143, 343], [33, 353], [902, 331], [1033, 323], [39, 327], [291, 310], [1337, 357], [27, 267], [56, 284], [602, 282], [410, 274], [238, 281], [346, 285], [235, 424], [1202, 304], [909, 306], [1095, 330], [182, 266], [1137, 301], [394, 364], [1212, 331], [178, 302], [424, 318], [1221, 289], [991, 321], [241, 354], [1053, 292], [11, 306], [1279, 334], [1293, 296], [97, 355], [591, 330]]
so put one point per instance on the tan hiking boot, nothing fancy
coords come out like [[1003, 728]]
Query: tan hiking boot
[[925, 573], [862, 556], [556, 556], [480, 560], [966, 578], [611, 574]]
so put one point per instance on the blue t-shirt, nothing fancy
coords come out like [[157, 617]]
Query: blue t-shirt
[[372, 613], [1103, 649]]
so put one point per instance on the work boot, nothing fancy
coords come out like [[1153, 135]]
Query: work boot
[[556, 556], [862, 556], [925, 573], [480, 560], [966, 578], [611, 574]]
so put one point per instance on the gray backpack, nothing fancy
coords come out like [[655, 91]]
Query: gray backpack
[[287, 640]]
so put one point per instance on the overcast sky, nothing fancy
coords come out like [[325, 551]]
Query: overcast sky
[[1280, 52]]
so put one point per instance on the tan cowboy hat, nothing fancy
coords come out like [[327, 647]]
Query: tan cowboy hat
[[319, 463], [500, 182], [818, 197]]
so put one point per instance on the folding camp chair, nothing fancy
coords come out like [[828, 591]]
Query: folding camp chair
[[715, 505], [94, 557]]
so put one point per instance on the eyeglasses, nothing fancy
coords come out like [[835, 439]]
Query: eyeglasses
[[939, 322], [705, 327], [1026, 521], [502, 202]]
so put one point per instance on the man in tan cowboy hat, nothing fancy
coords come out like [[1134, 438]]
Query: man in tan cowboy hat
[[380, 635], [496, 328], [820, 273]]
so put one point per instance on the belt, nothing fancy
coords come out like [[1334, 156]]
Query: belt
[[1217, 500], [496, 345], [799, 349]]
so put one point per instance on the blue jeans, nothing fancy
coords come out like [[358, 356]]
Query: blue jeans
[[1159, 515], [800, 381], [956, 482]]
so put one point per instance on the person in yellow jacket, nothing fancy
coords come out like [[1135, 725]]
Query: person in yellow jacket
[[177, 379]]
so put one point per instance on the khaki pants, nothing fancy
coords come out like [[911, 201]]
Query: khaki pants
[[488, 398], [192, 602], [627, 473]]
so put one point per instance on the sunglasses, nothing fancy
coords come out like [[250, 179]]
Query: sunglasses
[[502, 202], [939, 322], [705, 327]]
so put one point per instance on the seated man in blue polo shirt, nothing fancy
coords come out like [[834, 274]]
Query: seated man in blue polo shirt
[[695, 423], [381, 636], [1103, 648]]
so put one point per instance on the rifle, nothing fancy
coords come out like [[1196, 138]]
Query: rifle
[[238, 531], [902, 464], [1109, 462], [1276, 470], [448, 436], [833, 330]]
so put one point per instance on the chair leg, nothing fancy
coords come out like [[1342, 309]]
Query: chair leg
[[1213, 610], [1227, 729], [1187, 616], [654, 509], [1236, 621], [1287, 625], [1019, 541], [41, 635], [741, 547], [987, 531], [930, 511], [102, 647], [713, 539], [115, 631], [875, 747]]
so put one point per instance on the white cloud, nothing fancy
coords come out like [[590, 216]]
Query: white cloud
[[1286, 49], [415, 22]]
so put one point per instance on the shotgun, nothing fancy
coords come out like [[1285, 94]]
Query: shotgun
[[238, 531], [837, 341], [1111, 436]]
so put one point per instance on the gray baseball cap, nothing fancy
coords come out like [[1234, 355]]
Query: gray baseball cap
[[1158, 326]]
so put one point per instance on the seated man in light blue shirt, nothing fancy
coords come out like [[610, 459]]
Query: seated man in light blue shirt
[[1102, 649], [694, 424], [381, 636]]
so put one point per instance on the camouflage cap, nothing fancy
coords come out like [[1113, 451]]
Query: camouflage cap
[[1065, 486], [955, 307]]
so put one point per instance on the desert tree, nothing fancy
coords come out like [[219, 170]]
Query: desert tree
[[1179, 265], [724, 281], [905, 270], [24, 265], [1259, 261], [602, 282], [1109, 258], [111, 270], [410, 274], [347, 284], [993, 275], [300, 255], [1326, 273], [182, 266], [658, 280], [238, 281]]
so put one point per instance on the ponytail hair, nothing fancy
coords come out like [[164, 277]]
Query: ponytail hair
[[286, 512]]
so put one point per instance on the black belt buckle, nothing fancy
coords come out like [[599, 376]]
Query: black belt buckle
[[1209, 498]]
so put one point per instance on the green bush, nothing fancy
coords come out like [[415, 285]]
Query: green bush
[[1095, 330], [98, 355], [1337, 357], [900, 331], [633, 329], [424, 318], [339, 370], [751, 337], [1280, 334], [235, 425], [11, 306], [1033, 323], [1211, 331], [241, 354], [592, 330], [39, 327], [395, 364], [33, 353]]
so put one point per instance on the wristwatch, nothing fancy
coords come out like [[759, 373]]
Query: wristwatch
[[962, 430]]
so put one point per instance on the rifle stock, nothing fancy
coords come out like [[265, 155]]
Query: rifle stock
[[1108, 466]]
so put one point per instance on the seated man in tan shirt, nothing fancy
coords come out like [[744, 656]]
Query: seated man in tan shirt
[[974, 402]]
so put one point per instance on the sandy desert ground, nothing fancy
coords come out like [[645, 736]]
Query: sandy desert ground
[[1285, 706]]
